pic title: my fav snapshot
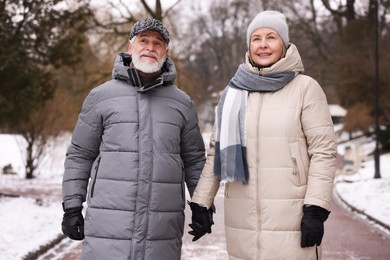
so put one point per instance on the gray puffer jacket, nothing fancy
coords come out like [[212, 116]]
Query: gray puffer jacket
[[134, 147]]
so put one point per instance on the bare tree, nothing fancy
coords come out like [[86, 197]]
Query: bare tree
[[216, 46], [56, 116], [112, 25], [336, 42], [358, 118]]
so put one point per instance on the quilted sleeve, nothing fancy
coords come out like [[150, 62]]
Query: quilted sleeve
[[319, 131], [81, 153]]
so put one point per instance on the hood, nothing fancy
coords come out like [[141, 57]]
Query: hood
[[122, 71]]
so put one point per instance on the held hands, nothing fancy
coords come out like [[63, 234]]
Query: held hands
[[73, 223], [312, 225], [202, 220]]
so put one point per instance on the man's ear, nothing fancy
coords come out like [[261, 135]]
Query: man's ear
[[166, 52], [129, 48]]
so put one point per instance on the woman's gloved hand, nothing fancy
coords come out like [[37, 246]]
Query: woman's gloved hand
[[312, 225], [202, 220]]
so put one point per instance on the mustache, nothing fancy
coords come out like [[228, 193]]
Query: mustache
[[149, 53]]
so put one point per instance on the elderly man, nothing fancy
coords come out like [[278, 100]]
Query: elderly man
[[135, 146]]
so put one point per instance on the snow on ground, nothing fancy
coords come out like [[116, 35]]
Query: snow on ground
[[365, 184], [28, 223], [363, 192]]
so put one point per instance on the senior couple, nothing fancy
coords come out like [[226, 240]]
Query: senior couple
[[137, 145]]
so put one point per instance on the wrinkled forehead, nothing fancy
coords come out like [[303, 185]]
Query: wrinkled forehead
[[151, 33], [264, 30]]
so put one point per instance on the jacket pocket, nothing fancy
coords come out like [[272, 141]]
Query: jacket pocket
[[183, 195], [96, 174], [299, 176]]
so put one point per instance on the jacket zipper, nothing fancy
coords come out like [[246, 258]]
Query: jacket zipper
[[133, 241], [296, 170], [257, 200], [94, 180]]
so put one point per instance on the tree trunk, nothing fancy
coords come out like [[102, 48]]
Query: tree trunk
[[30, 168]]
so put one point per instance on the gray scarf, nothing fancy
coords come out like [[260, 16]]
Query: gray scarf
[[230, 148]]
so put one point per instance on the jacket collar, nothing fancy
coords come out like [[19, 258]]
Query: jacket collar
[[124, 72]]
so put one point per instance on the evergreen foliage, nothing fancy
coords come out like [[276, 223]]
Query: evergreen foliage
[[37, 36]]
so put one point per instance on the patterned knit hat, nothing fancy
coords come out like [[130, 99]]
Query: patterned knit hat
[[150, 24], [269, 19]]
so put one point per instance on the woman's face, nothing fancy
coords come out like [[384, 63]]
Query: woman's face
[[266, 47]]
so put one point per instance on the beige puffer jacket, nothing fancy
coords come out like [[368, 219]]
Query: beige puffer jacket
[[291, 151]]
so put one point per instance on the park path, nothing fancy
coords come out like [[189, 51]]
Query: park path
[[346, 238]]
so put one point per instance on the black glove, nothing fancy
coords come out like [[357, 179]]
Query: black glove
[[73, 223], [312, 225], [202, 220]]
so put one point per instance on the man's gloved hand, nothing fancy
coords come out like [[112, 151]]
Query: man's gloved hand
[[202, 220], [312, 225], [73, 223]]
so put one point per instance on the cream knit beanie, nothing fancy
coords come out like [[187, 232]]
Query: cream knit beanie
[[269, 19]]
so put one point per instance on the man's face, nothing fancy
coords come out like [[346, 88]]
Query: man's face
[[148, 51]]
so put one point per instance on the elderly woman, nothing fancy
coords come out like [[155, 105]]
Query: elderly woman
[[274, 148]]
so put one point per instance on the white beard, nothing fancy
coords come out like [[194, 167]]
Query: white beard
[[145, 66]]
